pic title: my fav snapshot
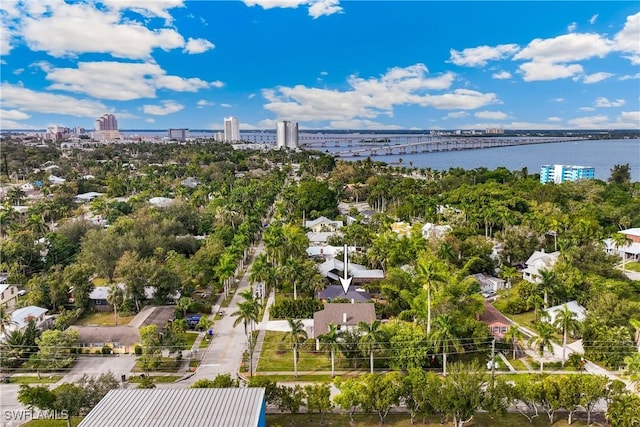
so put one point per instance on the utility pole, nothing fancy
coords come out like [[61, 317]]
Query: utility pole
[[493, 363]]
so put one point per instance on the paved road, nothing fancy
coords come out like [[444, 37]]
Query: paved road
[[224, 354]]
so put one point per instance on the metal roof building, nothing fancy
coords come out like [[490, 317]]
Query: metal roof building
[[188, 407]]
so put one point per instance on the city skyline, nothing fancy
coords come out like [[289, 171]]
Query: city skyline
[[325, 64]]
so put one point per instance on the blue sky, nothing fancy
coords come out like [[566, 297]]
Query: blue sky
[[327, 64]]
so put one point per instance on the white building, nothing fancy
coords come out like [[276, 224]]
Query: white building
[[287, 135], [573, 306], [539, 260], [178, 134], [562, 173], [231, 129]]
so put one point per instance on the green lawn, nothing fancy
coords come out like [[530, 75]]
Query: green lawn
[[204, 343], [190, 338], [632, 266], [106, 318], [52, 423], [403, 420], [168, 364], [517, 364], [46, 379], [157, 379], [276, 355]]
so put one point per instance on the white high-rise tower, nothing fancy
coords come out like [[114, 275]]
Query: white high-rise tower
[[287, 135], [231, 129]]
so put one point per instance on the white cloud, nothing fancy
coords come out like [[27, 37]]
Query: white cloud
[[361, 124], [204, 103], [166, 107], [320, 8], [324, 73], [593, 19], [590, 122], [558, 100], [251, 96], [630, 77], [586, 109], [267, 124], [247, 126], [596, 77], [491, 115], [62, 29], [368, 98], [479, 56], [147, 8], [456, 115], [502, 75], [120, 80], [628, 119], [566, 48], [603, 102], [554, 119], [150, 120], [217, 83], [194, 46], [627, 39], [13, 115], [540, 70], [317, 8], [224, 105], [45, 102], [572, 27]]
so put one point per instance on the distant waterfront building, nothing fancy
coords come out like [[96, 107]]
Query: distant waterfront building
[[231, 129], [178, 134], [494, 131], [106, 128], [287, 135], [56, 133], [562, 173], [218, 137]]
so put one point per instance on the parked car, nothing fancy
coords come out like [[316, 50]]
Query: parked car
[[192, 321]]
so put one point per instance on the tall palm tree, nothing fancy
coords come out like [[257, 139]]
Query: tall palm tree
[[636, 324], [545, 338], [535, 301], [443, 338], [431, 274], [620, 241], [515, 335], [296, 335], [115, 297], [331, 341], [566, 322], [371, 336], [259, 272], [548, 283], [248, 312]]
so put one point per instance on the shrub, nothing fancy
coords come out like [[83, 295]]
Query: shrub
[[297, 309], [138, 350], [106, 349]]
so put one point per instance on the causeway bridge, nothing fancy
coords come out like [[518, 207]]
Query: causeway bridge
[[414, 144]]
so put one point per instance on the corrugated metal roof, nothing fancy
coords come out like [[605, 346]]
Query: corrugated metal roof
[[184, 407]]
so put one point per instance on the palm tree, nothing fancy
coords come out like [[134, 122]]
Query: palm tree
[[370, 337], [620, 240], [331, 341], [508, 273], [534, 301], [115, 297], [184, 304], [296, 336], [204, 323], [515, 335], [546, 337], [259, 272], [443, 338], [5, 320], [566, 322], [431, 274], [548, 283]]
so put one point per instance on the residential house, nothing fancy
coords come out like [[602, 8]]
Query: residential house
[[579, 311], [333, 269], [56, 180], [323, 224], [402, 229], [332, 292], [539, 260], [630, 251], [346, 316], [160, 202], [22, 316], [327, 251], [190, 182], [98, 298], [498, 324], [87, 197], [489, 285], [8, 295]]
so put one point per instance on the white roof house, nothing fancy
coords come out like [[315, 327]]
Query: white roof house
[[160, 202], [87, 197], [327, 251], [539, 260], [573, 306], [333, 268], [432, 231], [323, 224], [22, 316], [56, 179]]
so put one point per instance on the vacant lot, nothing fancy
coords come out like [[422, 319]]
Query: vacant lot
[[103, 319]]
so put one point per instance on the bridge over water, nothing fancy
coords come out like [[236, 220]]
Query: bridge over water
[[412, 144]]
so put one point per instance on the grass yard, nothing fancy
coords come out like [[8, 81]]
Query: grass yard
[[158, 379], [52, 423], [632, 266], [525, 319], [167, 364], [103, 319], [403, 420], [276, 355], [205, 342], [190, 338], [46, 379], [517, 364]]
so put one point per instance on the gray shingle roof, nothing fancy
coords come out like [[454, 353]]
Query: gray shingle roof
[[193, 407]]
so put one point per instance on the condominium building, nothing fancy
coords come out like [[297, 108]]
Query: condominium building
[[178, 134], [562, 173], [231, 129], [106, 128], [287, 135]]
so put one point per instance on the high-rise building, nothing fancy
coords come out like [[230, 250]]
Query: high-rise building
[[287, 135], [562, 173], [107, 122], [178, 134], [231, 129]]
